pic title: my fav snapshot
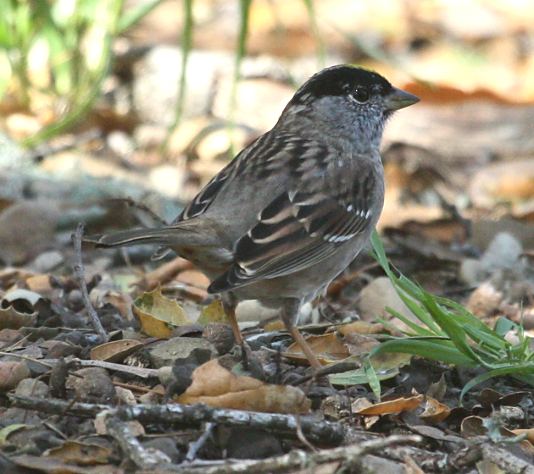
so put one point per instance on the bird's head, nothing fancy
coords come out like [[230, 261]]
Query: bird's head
[[348, 101]]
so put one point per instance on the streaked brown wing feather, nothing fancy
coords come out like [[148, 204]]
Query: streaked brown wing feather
[[299, 229]]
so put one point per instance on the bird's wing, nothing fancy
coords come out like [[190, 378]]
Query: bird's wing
[[206, 196], [255, 161], [302, 227], [266, 155]]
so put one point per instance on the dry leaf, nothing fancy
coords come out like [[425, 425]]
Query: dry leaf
[[80, 453], [328, 348], [393, 406], [159, 314], [529, 432], [359, 344], [216, 386], [434, 411], [437, 389], [17, 309], [213, 313], [40, 284], [360, 327], [115, 351], [360, 404], [51, 465], [11, 373]]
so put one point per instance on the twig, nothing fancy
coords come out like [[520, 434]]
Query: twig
[[25, 357], [125, 369], [326, 433], [195, 446], [302, 437], [507, 461], [55, 406], [132, 448], [301, 460], [79, 273]]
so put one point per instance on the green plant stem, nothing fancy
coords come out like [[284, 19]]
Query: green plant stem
[[83, 104], [460, 338], [241, 48], [133, 16], [187, 42]]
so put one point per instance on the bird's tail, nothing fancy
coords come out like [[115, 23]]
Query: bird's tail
[[186, 233]]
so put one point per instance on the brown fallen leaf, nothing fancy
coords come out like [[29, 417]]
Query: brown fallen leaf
[[50, 465], [158, 314], [434, 411], [17, 309], [360, 344], [360, 327], [115, 351], [213, 313], [328, 348], [164, 273], [527, 431], [390, 407], [216, 386], [195, 283], [360, 404], [40, 284], [11, 373], [84, 454], [473, 426]]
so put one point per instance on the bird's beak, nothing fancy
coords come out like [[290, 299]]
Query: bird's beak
[[398, 99]]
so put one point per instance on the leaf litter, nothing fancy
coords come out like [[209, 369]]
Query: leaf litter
[[458, 220]]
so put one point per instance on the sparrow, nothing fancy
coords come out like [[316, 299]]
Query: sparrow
[[293, 209]]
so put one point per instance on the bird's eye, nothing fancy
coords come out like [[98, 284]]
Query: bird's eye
[[361, 94]]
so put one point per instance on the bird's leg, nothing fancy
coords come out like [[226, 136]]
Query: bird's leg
[[229, 302], [289, 313]]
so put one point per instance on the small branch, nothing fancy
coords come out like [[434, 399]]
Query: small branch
[[195, 447], [140, 372], [79, 273], [506, 460], [132, 448], [348, 456], [317, 431], [55, 406]]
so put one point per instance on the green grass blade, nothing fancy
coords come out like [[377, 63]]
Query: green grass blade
[[187, 43], [83, 104], [522, 370], [421, 313], [408, 291], [244, 17], [372, 378], [418, 330], [132, 16], [450, 327], [440, 351]]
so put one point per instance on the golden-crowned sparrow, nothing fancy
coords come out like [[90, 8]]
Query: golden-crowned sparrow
[[295, 207]]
